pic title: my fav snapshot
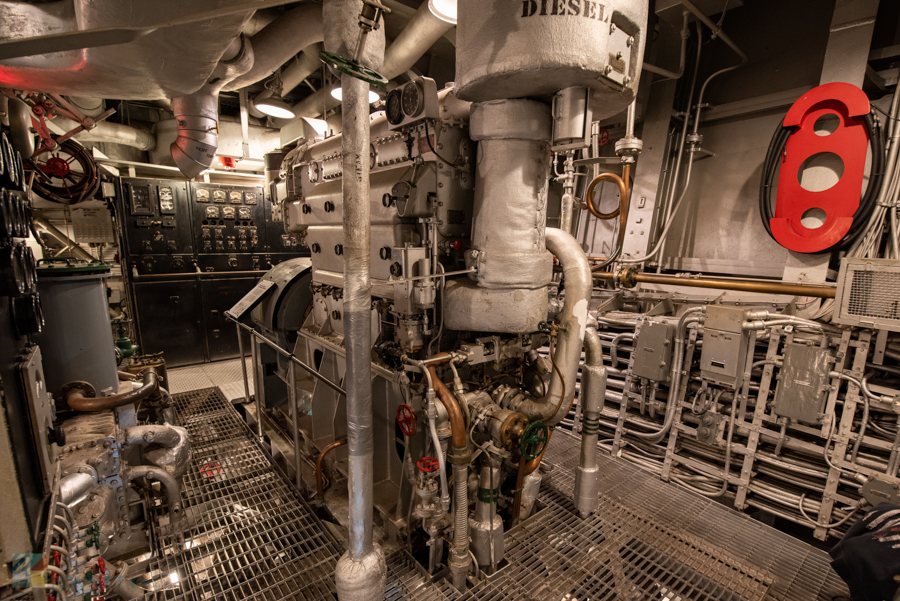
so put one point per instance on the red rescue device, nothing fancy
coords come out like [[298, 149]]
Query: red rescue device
[[849, 142]]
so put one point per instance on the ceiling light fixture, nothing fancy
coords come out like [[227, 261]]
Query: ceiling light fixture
[[337, 95], [274, 105], [445, 10]]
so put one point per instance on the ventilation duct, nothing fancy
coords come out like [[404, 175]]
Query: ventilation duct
[[197, 114]]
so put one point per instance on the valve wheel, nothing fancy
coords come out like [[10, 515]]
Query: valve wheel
[[56, 166], [428, 464], [406, 419], [534, 440]]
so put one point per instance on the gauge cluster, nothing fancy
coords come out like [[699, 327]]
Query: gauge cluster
[[412, 103]]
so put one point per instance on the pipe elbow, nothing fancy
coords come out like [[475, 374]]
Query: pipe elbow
[[80, 399], [457, 423], [170, 485]]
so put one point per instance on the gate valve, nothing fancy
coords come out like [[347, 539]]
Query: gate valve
[[428, 465], [406, 419], [534, 440]]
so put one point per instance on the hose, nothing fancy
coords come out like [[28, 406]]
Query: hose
[[869, 199]]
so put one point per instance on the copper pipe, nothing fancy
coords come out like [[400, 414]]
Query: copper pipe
[[457, 423], [320, 487], [621, 182], [525, 468], [78, 402], [739, 285]]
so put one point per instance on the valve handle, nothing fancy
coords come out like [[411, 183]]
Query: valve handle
[[406, 419], [534, 440], [428, 464]]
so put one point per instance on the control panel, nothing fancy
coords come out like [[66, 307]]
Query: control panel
[[229, 227], [156, 225]]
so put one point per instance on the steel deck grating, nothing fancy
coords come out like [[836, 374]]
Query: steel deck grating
[[245, 535]]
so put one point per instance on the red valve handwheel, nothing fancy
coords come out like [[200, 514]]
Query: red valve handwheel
[[428, 464], [406, 419]]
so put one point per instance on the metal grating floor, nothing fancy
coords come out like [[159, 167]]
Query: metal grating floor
[[246, 535]]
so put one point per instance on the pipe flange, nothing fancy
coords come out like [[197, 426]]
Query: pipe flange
[[512, 428], [85, 388], [629, 146], [627, 277]]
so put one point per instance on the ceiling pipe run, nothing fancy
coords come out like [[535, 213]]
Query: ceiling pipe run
[[419, 35], [281, 39], [107, 132]]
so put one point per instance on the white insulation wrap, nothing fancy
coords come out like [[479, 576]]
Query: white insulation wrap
[[361, 572], [535, 48]]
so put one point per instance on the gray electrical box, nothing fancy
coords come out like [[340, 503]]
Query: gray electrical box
[[724, 351], [802, 391], [653, 351]]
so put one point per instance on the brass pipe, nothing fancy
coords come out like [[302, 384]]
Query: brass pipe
[[621, 182], [720, 284], [525, 468], [77, 401], [320, 487], [457, 423]]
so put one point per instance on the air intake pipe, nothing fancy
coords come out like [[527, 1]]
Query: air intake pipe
[[197, 114]]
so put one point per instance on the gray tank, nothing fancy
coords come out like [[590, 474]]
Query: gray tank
[[534, 48], [77, 341]]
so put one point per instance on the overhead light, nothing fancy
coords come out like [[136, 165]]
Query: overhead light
[[274, 106], [338, 95], [445, 10]]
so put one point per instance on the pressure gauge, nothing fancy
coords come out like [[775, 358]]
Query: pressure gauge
[[166, 200], [212, 212], [244, 213], [228, 212], [250, 198], [202, 195], [394, 106], [235, 196], [413, 100], [218, 195]]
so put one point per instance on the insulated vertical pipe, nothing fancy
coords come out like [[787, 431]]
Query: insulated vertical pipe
[[361, 572], [593, 395], [357, 309]]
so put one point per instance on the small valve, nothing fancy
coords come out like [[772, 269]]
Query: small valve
[[428, 465], [406, 419]]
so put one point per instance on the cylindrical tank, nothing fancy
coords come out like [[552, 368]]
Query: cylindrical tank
[[77, 340], [533, 48]]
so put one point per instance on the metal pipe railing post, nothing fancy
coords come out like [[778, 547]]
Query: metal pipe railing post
[[295, 417], [257, 389], [240, 336]]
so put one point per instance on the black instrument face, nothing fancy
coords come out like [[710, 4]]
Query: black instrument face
[[412, 100], [394, 108]]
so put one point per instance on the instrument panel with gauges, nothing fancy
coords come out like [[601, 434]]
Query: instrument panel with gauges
[[411, 103]]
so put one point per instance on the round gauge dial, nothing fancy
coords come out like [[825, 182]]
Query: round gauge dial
[[412, 100], [394, 107]]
